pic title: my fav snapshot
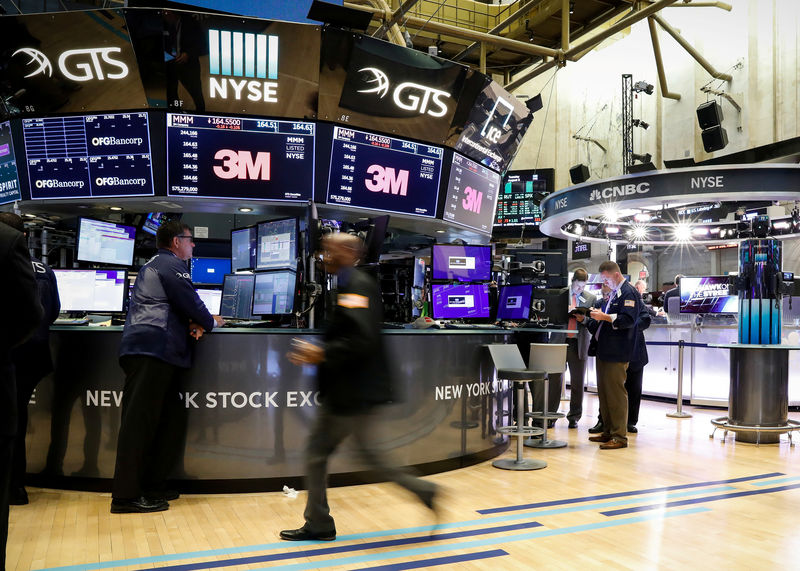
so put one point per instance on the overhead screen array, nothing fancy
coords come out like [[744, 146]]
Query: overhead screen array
[[9, 179]]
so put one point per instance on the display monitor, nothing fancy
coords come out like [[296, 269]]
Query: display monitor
[[92, 290], [274, 293], [383, 173], [88, 156], [238, 158], [552, 304], [237, 296], [515, 302], [277, 244], [462, 263], [154, 220], [708, 294], [105, 242], [520, 196], [460, 301], [243, 248], [210, 271], [471, 195], [211, 298], [9, 178]]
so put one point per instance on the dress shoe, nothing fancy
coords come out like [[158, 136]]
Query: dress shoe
[[596, 429], [573, 424], [600, 438], [166, 495], [139, 505], [18, 497], [304, 534], [613, 445], [632, 428]]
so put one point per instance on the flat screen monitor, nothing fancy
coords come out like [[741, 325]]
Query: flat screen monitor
[[92, 290], [210, 271], [460, 301], [9, 178], [277, 244], [462, 263], [88, 156], [708, 294], [154, 220], [472, 192], [237, 296], [238, 158], [105, 242], [383, 173], [243, 248], [515, 302], [521, 193], [274, 293], [552, 304], [211, 298]]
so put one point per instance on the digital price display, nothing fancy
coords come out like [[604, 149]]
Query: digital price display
[[237, 158], [88, 156], [472, 194], [9, 180], [383, 173], [518, 205]]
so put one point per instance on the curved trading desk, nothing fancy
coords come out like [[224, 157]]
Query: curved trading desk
[[249, 410]]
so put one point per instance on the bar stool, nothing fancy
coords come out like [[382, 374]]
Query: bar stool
[[548, 358], [511, 367]]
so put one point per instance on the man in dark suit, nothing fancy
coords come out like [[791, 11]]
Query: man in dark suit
[[22, 313], [353, 374], [577, 345], [674, 292], [635, 372], [613, 332]]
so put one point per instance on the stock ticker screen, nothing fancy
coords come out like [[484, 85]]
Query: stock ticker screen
[[383, 173], [471, 194], [518, 204], [88, 156], [9, 181], [238, 158]]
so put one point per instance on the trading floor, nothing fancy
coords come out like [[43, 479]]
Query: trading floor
[[672, 499]]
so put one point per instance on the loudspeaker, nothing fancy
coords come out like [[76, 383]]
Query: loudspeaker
[[579, 174], [534, 103], [714, 138], [709, 114]]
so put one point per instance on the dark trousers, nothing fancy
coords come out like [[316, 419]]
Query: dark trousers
[[613, 398], [577, 372], [152, 430], [26, 383], [633, 384], [329, 430], [6, 453]]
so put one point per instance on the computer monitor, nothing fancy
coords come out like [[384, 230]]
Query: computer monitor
[[515, 302], [552, 304], [708, 294], [274, 293], [92, 290], [277, 244], [105, 242], [460, 301], [210, 271], [212, 298], [462, 263], [154, 220], [237, 296], [243, 248]]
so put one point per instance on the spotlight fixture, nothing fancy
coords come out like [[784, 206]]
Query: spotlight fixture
[[639, 232], [645, 158], [682, 232], [640, 86], [578, 230], [572, 7], [115, 208], [611, 215], [640, 123], [612, 229], [245, 209], [642, 217], [700, 231]]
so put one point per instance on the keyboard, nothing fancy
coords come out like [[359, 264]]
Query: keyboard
[[392, 325], [71, 321], [472, 326], [235, 323]]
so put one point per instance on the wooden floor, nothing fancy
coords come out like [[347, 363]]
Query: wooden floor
[[691, 514]]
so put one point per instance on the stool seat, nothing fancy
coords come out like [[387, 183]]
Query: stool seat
[[545, 416], [519, 375]]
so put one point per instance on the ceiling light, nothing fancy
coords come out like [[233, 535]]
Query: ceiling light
[[700, 231], [440, 231], [781, 225], [572, 7], [29, 215], [578, 229], [115, 208], [245, 209], [610, 215], [639, 232], [642, 217], [682, 232], [612, 229], [714, 231]]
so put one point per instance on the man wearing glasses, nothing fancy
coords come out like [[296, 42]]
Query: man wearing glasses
[[165, 311]]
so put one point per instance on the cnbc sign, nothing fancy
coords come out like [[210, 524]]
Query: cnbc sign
[[243, 66]]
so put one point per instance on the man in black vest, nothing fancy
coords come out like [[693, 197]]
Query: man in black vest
[[22, 313], [354, 376]]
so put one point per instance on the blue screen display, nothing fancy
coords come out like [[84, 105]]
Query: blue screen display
[[467, 301], [709, 294], [383, 173], [462, 263], [88, 156], [515, 302], [210, 270]]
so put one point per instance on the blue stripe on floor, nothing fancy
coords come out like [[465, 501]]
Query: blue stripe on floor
[[778, 481], [485, 542], [352, 547], [699, 500], [622, 494], [437, 561]]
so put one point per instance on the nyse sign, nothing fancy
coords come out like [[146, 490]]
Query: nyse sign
[[252, 57]]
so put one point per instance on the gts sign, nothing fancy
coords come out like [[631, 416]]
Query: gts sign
[[408, 95]]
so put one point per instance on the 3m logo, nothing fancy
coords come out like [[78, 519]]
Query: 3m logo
[[472, 200], [241, 165], [595, 195], [238, 54], [79, 65], [384, 179]]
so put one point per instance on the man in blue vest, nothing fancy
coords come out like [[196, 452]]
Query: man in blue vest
[[613, 342]]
